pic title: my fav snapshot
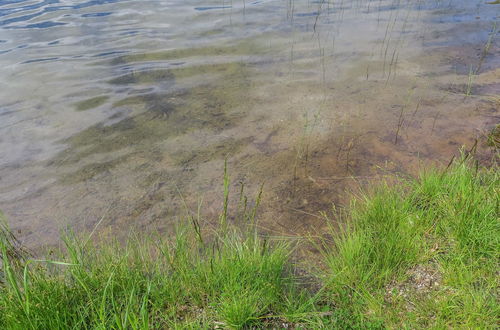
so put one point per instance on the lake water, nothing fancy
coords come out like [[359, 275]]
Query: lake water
[[123, 112]]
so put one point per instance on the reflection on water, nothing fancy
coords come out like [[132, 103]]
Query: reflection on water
[[126, 110]]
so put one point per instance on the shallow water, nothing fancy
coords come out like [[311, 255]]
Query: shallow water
[[122, 112]]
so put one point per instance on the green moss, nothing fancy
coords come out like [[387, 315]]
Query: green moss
[[87, 172], [91, 103], [159, 117], [209, 33], [170, 75], [207, 153], [155, 104], [227, 69], [144, 77], [242, 48]]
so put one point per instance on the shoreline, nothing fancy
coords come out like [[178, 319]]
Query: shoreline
[[420, 253]]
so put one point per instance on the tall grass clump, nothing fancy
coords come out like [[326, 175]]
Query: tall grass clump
[[235, 281], [423, 252], [228, 277], [147, 283]]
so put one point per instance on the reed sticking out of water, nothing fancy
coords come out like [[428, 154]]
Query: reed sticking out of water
[[223, 217], [322, 60], [401, 114], [470, 82], [320, 8], [395, 53], [290, 10], [417, 107], [387, 40], [487, 47], [350, 145], [302, 149], [484, 53]]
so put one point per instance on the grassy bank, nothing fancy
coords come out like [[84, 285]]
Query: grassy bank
[[420, 253]]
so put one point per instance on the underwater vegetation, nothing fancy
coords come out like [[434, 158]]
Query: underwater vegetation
[[150, 119]]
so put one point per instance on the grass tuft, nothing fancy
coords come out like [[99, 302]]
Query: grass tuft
[[424, 252]]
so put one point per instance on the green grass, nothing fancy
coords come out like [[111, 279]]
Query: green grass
[[234, 281], [424, 252], [419, 253]]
